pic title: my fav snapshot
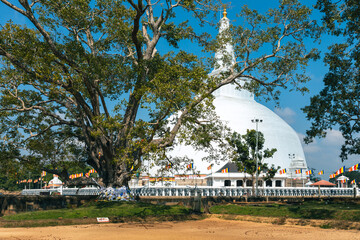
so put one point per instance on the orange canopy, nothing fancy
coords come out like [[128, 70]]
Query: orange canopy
[[323, 183]]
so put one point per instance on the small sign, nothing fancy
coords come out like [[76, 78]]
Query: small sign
[[102, 219]]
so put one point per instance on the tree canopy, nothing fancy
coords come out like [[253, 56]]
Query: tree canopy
[[337, 105], [10, 169], [106, 83], [245, 152]]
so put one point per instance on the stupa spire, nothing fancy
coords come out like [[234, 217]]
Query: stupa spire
[[225, 55], [224, 12], [225, 59]]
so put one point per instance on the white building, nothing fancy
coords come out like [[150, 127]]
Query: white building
[[54, 183]]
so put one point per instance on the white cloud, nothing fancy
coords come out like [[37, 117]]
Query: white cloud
[[323, 154], [311, 147], [333, 137], [286, 113]]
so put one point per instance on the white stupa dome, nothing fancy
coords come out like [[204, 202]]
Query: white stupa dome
[[237, 108], [237, 112]]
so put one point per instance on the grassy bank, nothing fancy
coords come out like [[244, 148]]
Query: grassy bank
[[116, 211], [327, 214], [306, 210]]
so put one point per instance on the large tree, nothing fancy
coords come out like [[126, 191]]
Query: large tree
[[98, 81], [338, 104]]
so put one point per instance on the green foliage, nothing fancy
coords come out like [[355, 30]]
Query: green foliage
[[354, 175], [314, 177], [9, 183], [245, 150], [337, 104], [104, 209], [10, 169], [94, 82]]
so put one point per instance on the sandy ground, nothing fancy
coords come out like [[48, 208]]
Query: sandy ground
[[210, 228]]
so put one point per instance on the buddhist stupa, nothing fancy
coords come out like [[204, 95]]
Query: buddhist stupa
[[237, 108]]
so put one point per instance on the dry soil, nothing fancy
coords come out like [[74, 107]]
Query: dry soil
[[209, 228]]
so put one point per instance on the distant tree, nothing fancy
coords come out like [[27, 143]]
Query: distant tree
[[313, 177], [245, 150], [337, 105], [270, 171], [354, 175], [10, 169], [106, 83]]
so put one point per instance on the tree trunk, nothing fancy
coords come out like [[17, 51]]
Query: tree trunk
[[114, 173], [115, 162]]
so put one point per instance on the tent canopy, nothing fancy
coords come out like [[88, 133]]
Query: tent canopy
[[323, 183]]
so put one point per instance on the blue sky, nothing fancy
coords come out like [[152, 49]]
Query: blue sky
[[322, 153]]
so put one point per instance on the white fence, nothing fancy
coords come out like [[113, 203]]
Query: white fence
[[241, 191], [203, 191], [62, 191]]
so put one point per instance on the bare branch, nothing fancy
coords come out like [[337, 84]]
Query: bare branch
[[14, 7]]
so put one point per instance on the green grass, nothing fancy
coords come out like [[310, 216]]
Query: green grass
[[307, 210], [104, 209], [138, 211]]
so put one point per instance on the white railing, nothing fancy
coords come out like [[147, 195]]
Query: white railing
[[62, 191], [203, 191], [240, 191]]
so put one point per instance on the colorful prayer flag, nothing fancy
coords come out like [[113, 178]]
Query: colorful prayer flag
[[282, 171], [225, 170], [353, 182], [341, 170], [43, 173], [190, 166], [298, 171], [209, 167], [332, 176], [354, 168], [309, 172], [321, 172], [77, 175]]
